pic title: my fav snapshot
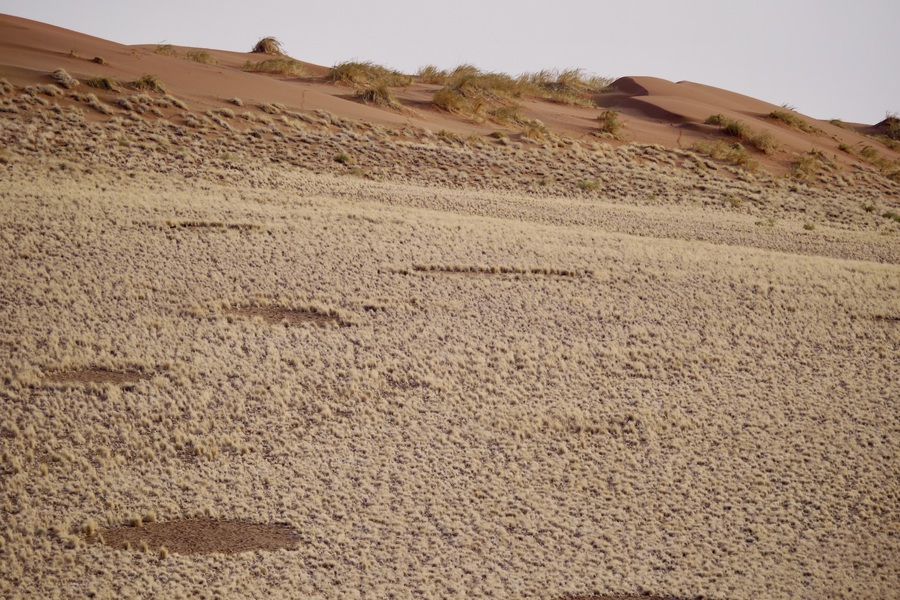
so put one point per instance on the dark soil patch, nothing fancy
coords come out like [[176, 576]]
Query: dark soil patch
[[200, 536], [476, 270], [291, 317], [211, 225], [96, 376]]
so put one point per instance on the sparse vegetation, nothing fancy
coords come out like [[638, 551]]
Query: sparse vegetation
[[379, 95], [64, 79], [610, 124], [276, 66], [734, 153], [810, 164], [268, 45], [202, 56], [367, 74], [792, 120], [762, 141], [166, 50], [149, 83], [109, 84]]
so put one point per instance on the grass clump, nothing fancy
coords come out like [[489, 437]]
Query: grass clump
[[166, 50], [368, 74], [564, 86], [6, 88], [276, 66], [792, 120], [762, 141], [734, 153], [431, 74], [892, 215], [268, 45], [64, 79], [202, 56], [343, 158], [479, 95], [104, 83], [378, 95], [610, 124], [809, 164], [149, 83]]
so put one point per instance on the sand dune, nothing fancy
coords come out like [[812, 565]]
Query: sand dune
[[259, 338]]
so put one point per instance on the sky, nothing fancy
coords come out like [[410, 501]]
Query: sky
[[826, 58]]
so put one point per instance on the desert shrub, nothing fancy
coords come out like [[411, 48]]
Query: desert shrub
[[431, 74], [166, 50], [892, 123], [808, 226], [343, 158], [535, 130], [6, 88], [732, 153], [566, 86], [368, 74], [94, 102], [839, 123], [202, 56], [99, 60], [149, 83], [277, 66], [809, 164], [272, 108], [892, 215], [792, 120], [47, 89], [610, 124], [64, 79], [379, 95], [588, 186], [104, 83], [480, 95], [237, 101], [764, 142], [268, 45]]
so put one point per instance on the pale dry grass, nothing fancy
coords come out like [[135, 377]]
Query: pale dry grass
[[635, 394]]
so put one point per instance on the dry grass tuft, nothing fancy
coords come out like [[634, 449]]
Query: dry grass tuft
[[610, 124], [109, 84], [277, 66], [149, 83], [166, 50], [792, 120], [379, 95], [762, 141], [202, 56], [268, 45], [734, 153], [64, 79], [368, 74]]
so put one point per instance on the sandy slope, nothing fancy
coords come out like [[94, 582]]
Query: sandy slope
[[453, 367]]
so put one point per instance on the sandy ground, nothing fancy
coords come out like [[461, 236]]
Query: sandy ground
[[416, 365]]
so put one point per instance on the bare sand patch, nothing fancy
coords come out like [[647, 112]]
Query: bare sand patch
[[200, 536], [96, 376], [291, 317]]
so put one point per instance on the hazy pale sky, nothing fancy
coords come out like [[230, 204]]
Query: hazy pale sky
[[828, 58]]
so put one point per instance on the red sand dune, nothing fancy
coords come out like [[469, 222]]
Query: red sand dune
[[656, 111]]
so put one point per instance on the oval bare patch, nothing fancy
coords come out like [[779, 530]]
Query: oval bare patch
[[200, 536], [96, 376]]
